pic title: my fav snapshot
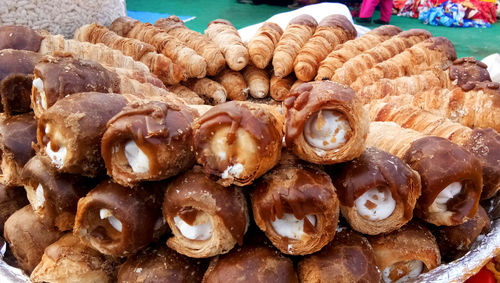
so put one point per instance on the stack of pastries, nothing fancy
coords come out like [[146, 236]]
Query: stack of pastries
[[154, 153]]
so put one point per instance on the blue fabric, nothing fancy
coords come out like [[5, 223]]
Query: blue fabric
[[449, 14], [151, 17]]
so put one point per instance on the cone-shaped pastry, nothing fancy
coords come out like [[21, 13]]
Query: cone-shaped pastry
[[70, 131], [354, 47], [261, 45], [117, 220], [53, 195], [19, 38], [377, 191], [186, 94], [28, 237], [234, 83], [482, 143], [16, 77], [251, 263], [160, 264], [17, 133], [332, 31], [257, 81], [405, 253], [280, 87], [296, 206], [11, 199], [455, 241], [450, 175], [70, 260], [148, 141], [238, 141], [205, 218], [325, 123], [348, 258], [211, 91]]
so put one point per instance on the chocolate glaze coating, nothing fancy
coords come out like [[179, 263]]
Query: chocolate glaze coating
[[138, 209], [340, 21], [303, 19], [123, 25], [348, 258], [17, 62], [16, 135], [467, 71], [387, 30], [20, 38], [251, 263], [440, 163], [415, 32], [444, 45], [11, 199], [170, 23]]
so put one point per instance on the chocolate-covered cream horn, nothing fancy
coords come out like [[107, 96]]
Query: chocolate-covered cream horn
[[251, 263], [148, 141], [405, 253], [455, 241], [16, 77], [206, 218], [238, 141], [160, 264], [296, 206], [28, 236], [17, 133], [377, 191], [19, 38], [53, 196], [70, 260], [11, 200], [325, 122], [119, 221], [70, 131], [451, 177], [348, 258]]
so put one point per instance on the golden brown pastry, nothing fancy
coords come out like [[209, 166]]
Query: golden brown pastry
[[257, 81], [451, 176], [377, 191], [325, 123], [28, 236], [332, 31], [211, 91], [261, 45], [69, 260], [234, 83], [299, 30], [119, 221], [186, 94], [251, 263], [405, 253], [11, 199], [206, 218], [296, 206], [19, 38], [238, 141], [148, 141], [348, 258], [279, 88]]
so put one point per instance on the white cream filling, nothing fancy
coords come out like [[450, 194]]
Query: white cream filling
[[196, 232], [291, 227], [439, 204], [38, 84], [233, 171], [39, 197], [113, 221], [326, 129], [136, 158], [375, 204], [415, 268], [58, 156]]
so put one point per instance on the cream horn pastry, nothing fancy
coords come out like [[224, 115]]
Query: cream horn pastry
[[377, 191], [53, 196], [251, 263], [70, 260], [455, 241], [206, 218], [16, 77], [405, 253], [296, 206], [160, 264], [451, 177], [17, 133], [11, 199], [119, 221], [348, 258], [70, 131], [148, 141], [19, 38], [28, 236], [325, 123], [238, 141], [56, 77]]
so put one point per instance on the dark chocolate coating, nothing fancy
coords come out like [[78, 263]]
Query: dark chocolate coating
[[170, 23], [442, 44], [17, 133], [20, 38], [11, 199], [138, 209], [305, 20], [339, 21], [251, 263], [387, 30], [467, 71]]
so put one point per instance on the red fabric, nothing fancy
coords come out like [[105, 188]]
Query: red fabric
[[368, 6], [483, 276]]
